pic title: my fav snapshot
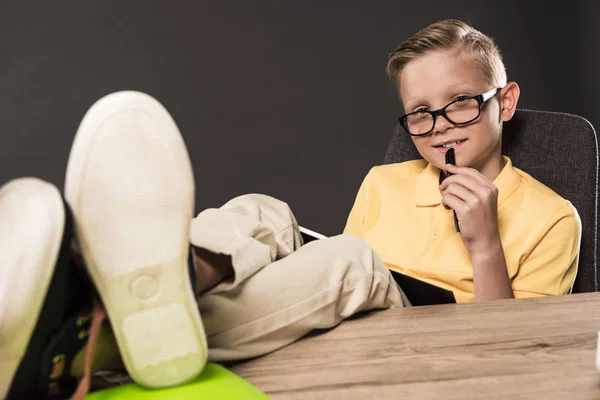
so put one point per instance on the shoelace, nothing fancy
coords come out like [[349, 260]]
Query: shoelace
[[98, 316]]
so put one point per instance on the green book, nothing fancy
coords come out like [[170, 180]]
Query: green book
[[215, 382]]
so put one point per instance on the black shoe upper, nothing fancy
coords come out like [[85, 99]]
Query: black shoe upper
[[60, 332]]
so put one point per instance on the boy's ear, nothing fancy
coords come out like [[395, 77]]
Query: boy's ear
[[509, 97]]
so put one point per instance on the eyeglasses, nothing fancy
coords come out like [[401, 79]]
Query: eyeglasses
[[463, 110]]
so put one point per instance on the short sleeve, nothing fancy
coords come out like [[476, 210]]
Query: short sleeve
[[357, 217], [551, 265]]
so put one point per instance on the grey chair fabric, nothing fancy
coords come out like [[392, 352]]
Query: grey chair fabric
[[561, 151]]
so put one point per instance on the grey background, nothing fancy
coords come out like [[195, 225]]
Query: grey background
[[287, 98]]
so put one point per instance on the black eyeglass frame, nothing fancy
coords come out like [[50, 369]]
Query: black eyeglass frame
[[481, 99]]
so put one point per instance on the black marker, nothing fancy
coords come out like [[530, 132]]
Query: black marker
[[451, 160]]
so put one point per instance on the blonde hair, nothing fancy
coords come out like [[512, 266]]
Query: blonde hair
[[446, 35]]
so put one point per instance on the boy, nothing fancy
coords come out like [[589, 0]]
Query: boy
[[517, 237], [258, 290]]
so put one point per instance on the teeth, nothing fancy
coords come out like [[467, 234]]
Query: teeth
[[449, 144]]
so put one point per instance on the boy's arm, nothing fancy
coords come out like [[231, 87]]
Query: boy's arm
[[490, 276], [551, 265], [474, 198], [548, 269]]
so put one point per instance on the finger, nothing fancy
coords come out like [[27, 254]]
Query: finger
[[482, 182], [463, 180], [453, 202], [473, 173], [462, 193], [480, 193], [453, 169]]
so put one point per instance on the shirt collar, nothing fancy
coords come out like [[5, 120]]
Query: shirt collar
[[427, 192]]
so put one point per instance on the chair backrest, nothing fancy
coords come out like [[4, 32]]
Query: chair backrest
[[561, 151]]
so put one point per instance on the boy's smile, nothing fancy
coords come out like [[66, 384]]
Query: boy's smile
[[435, 79], [450, 143]]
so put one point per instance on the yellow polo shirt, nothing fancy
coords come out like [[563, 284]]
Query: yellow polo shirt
[[398, 211]]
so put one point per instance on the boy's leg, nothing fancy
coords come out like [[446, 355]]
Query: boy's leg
[[279, 291], [235, 241], [130, 185], [317, 286]]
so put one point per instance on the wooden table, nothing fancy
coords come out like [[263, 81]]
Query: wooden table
[[540, 348]]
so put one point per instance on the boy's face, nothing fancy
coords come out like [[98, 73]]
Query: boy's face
[[434, 80]]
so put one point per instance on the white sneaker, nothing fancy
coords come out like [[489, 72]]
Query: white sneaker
[[32, 221], [130, 186]]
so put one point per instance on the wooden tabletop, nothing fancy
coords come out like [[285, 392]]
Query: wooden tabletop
[[541, 348]]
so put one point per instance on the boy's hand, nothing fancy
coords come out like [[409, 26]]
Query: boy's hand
[[474, 198]]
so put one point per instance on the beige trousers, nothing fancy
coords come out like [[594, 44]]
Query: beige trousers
[[281, 290]]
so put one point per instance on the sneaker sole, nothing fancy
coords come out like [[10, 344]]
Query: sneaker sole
[[131, 189], [33, 220]]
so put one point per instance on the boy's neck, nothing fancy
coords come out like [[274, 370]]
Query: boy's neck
[[492, 169]]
